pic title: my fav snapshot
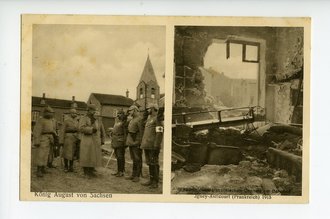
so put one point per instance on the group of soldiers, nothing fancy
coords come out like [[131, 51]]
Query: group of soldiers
[[78, 138], [139, 133], [82, 137]]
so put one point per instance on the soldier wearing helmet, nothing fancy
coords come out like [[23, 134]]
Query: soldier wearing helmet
[[118, 142], [44, 139], [151, 146], [69, 139], [133, 141], [92, 137]]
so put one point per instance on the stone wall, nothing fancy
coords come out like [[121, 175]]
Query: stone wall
[[284, 98]]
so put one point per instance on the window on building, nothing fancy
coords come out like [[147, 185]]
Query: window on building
[[141, 93], [153, 92]]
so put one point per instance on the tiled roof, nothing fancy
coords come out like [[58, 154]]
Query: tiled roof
[[58, 102], [110, 99]]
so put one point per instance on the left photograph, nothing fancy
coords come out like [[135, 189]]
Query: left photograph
[[97, 108]]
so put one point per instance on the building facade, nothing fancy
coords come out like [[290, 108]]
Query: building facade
[[61, 107], [108, 106]]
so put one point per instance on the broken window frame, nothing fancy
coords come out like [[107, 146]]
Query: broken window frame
[[244, 44]]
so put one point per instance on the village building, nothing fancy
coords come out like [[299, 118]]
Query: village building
[[108, 105], [60, 106]]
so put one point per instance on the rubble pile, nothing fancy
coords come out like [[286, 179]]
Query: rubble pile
[[246, 178], [250, 176], [230, 136], [229, 161], [285, 138]]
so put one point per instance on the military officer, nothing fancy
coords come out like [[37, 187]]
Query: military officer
[[92, 137], [133, 141], [44, 139], [118, 142], [69, 139], [151, 143]]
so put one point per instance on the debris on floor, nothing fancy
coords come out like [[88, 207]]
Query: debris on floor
[[229, 161]]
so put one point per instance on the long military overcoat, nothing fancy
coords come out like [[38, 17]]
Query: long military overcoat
[[90, 145], [43, 136], [69, 137]]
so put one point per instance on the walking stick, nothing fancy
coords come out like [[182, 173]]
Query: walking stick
[[112, 152]]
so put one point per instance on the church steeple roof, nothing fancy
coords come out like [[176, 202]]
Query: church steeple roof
[[148, 73]]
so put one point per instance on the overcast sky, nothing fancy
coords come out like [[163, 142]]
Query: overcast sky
[[75, 60], [233, 67]]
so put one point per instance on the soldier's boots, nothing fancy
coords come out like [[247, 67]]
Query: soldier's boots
[[87, 172], [154, 184], [120, 174], [39, 173], [136, 179], [66, 168], [43, 170], [130, 177], [137, 173], [92, 172], [70, 166], [151, 175], [50, 165], [121, 169]]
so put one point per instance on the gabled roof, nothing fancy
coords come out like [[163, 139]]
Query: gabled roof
[[58, 103], [110, 99], [148, 73]]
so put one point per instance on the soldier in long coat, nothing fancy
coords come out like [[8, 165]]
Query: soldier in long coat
[[44, 138], [92, 137], [69, 140], [118, 142], [151, 143]]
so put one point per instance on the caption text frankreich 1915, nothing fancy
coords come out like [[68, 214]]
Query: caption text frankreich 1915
[[235, 197]]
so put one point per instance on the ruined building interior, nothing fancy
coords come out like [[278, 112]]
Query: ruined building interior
[[238, 129]]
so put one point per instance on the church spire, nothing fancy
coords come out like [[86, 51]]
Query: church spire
[[148, 73]]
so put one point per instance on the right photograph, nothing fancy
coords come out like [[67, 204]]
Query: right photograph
[[237, 110]]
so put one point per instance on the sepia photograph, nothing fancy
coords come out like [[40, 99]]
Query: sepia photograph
[[237, 115], [97, 108], [96, 124]]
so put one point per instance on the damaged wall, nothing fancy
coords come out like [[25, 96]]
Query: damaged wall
[[191, 44], [283, 55], [284, 97]]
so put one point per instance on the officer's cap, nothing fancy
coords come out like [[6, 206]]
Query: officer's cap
[[133, 107], [48, 109], [73, 111]]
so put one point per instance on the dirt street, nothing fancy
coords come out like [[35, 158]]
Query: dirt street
[[59, 181]]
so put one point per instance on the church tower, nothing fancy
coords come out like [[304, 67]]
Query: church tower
[[147, 90]]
